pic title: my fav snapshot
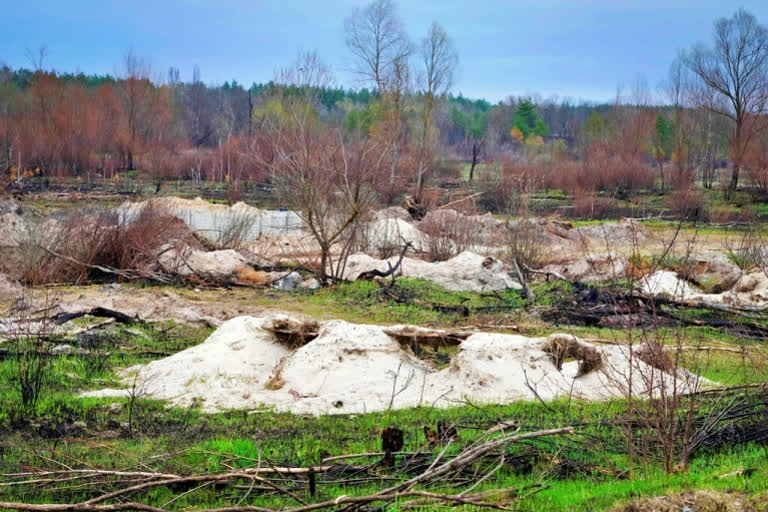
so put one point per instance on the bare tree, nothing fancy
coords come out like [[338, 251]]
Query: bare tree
[[736, 68], [439, 59], [37, 59], [381, 50], [376, 38], [329, 180]]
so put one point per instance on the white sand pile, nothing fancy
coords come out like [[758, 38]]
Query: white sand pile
[[387, 233], [466, 272], [217, 265], [665, 282], [749, 293], [12, 230], [351, 368], [592, 268], [393, 212]]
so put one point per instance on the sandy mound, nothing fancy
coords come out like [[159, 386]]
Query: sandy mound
[[593, 268], [695, 501], [664, 282], [394, 212], [466, 272], [9, 289], [217, 265], [349, 368], [385, 234], [715, 271]]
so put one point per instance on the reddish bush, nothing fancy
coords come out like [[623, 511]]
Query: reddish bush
[[687, 204], [108, 245], [450, 233], [590, 206]]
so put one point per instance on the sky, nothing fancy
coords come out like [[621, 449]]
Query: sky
[[582, 49]]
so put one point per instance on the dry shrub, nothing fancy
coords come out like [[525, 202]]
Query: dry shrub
[[750, 251], [652, 353], [591, 206], [234, 192], [131, 244], [523, 245], [600, 170], [236, 233], [252, 276], [450, 233], [563, 347], [687, 204]]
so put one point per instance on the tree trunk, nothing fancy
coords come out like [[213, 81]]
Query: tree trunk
[[734, 178], [475, 151]]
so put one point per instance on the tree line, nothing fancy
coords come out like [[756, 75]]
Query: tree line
[[710, 112]]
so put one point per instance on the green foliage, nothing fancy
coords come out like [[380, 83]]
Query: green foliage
[[594, 127], [662, 137], [362, 120], [525, 118]]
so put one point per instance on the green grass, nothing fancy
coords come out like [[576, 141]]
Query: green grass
[[192, 442]]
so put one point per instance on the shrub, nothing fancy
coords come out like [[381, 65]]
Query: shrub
[[450, 233], [591, 206], [107, 245], [687, 204], [523, 245]]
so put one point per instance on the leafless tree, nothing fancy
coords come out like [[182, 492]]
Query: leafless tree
[[329, 180], [736, 68], [376, 38], [439, 58], [37, 59], [381, 50]]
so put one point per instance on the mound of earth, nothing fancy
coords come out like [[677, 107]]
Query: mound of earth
[[339, 367], [749, 293], [591, 268], [695, 501], [667, 283], [466, 272], [9, 289], [388, 234]]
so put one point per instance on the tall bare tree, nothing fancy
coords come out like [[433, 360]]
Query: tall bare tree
[[375, 36], [381, 49], [736, 68], [329, 180], [439, 58]]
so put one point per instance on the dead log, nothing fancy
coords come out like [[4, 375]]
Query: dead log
[[64, 317], [372, 274]]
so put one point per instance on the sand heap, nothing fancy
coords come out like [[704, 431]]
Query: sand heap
[[748, 294], [352, 368], [466, 272]]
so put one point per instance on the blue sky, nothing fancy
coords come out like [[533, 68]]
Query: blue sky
[[583, 49]]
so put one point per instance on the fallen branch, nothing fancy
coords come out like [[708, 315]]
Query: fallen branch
[[64, 317]]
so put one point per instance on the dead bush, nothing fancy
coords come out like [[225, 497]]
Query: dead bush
[[749, 251], [591, 206], [450, 233], [563, 347], [236, 232], [687, 204], [109, 245], [523, 245]]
